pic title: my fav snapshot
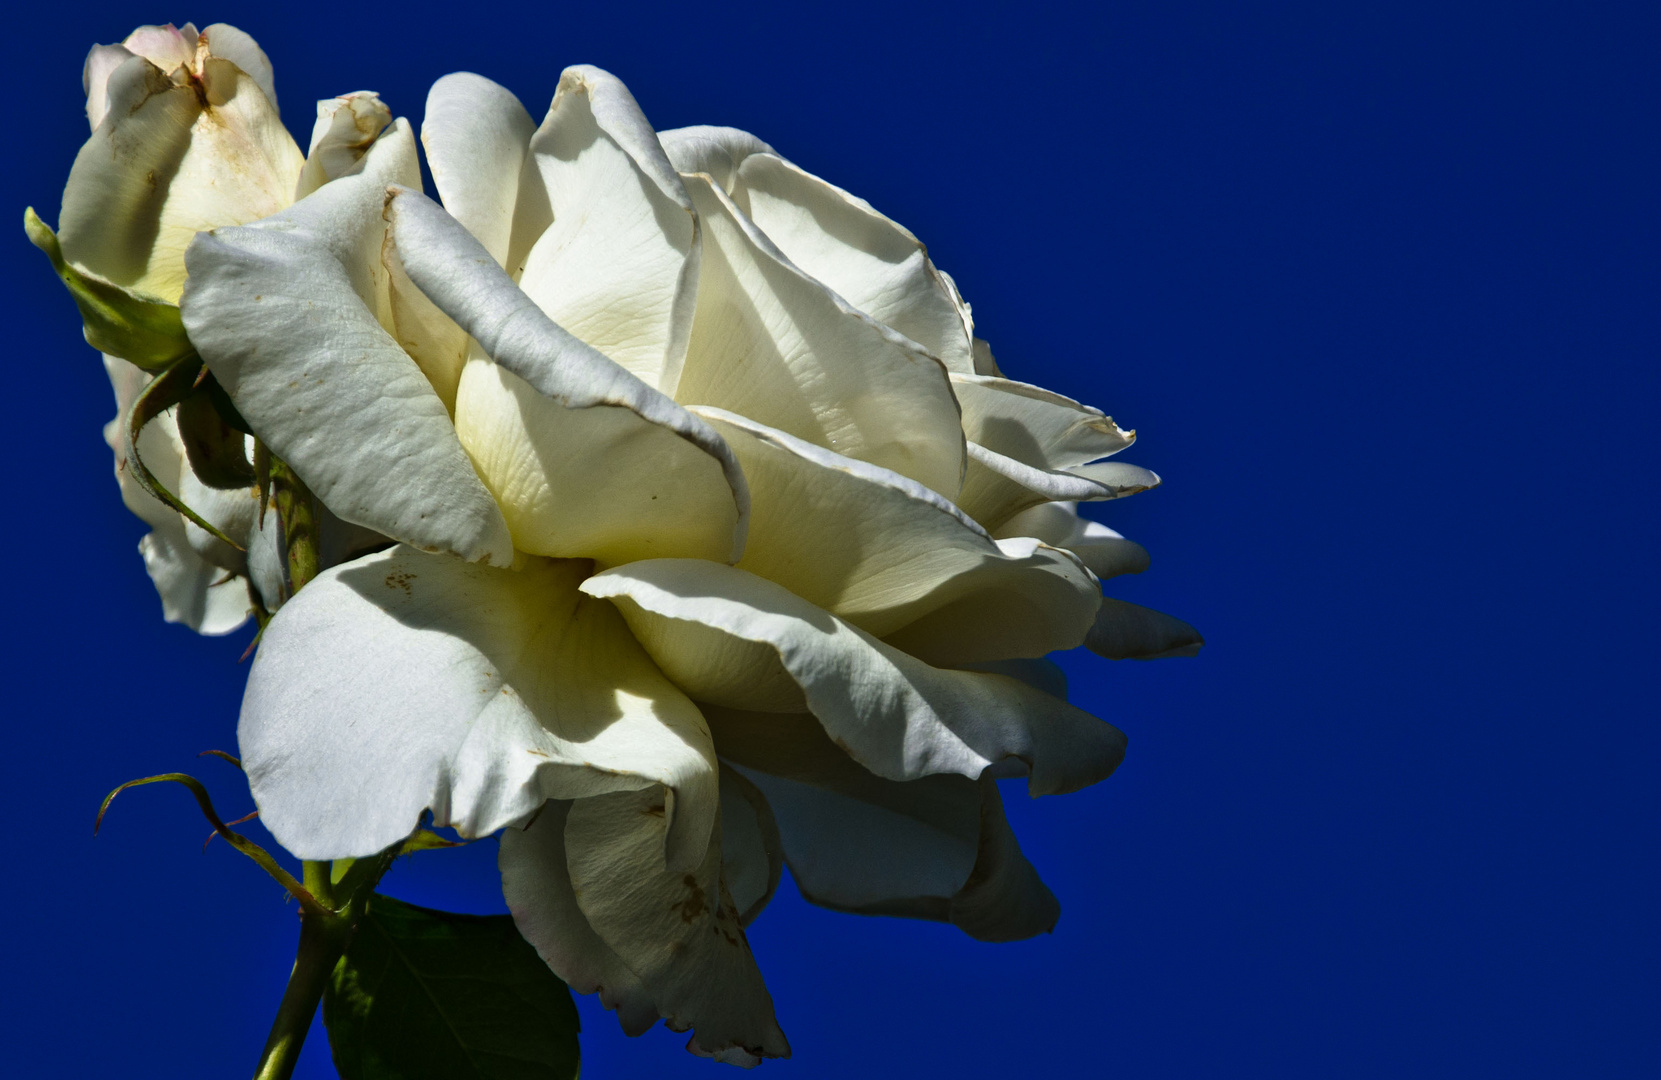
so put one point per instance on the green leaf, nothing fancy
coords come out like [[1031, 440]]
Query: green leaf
[[430, 994], [142, 331]]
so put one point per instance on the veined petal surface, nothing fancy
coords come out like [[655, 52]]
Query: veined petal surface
[[404, 682]]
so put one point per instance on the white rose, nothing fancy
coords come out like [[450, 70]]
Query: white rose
[[681, 589]]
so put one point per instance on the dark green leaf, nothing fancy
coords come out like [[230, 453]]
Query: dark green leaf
[[430, 994], [166, 390]]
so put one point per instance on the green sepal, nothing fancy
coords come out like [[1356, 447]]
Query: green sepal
[[145, 332], [166, 390], [422, 993], [217, 450]]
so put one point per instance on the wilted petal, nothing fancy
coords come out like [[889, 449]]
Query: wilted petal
[[678, 931], [476, 134], [170, 160], [1131, 632], [405, 682], [1104, 551], [285, 314], [584, 458], [226, 41], [773, 344], [347, 126], [617, 265], [937, 847], [715, 630], [885, 552]]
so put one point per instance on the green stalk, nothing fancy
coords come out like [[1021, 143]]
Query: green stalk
[[323, 939], [298, 517]]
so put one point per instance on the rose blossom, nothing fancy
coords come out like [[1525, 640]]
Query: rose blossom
[[719, 542]]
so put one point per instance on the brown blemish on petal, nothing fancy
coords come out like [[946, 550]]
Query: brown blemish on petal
[[693, 907], [400, 579]]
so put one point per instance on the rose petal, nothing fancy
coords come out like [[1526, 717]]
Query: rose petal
[[896, 715], [1131, 632], [585, 459], [1058, 524], [771, 343], [617, 265], [752, 856], [284, 313], [938, 847], [226, 41], [678, 931], [347, 126], [405, 682], [885, 552], [476, 135], [996, 488]]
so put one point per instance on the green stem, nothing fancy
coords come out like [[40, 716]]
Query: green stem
[[323, 939]]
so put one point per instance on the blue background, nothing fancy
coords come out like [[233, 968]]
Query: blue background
[[1377, 285]]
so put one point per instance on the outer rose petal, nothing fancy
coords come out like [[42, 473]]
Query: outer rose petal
[[537, 886], [885, 552], [996, 488], [476, 135], [284, 313], [584, 458], [938, 847], [771, 343], [678, 931], [874, 263], [752, 855], [226, 41], [896, 715], [618, 263], [169, 161], [1103, 550], [404, 682], [1035, 426], [1131, 632], [100, 64]]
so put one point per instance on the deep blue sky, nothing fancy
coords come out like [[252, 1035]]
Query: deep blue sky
[[1378, 289]]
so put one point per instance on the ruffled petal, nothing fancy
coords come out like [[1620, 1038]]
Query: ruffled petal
[[476, 135], [721, 633], [285, 313], [584, 458], [937, 847], [405, 682], [771, 343], [170, 160], [617, 264], [886, 553], [1126, 631]]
